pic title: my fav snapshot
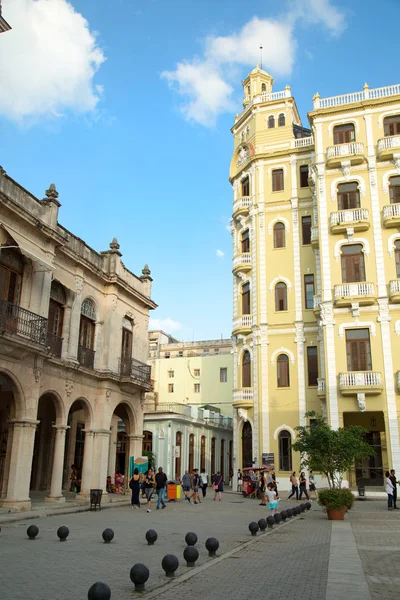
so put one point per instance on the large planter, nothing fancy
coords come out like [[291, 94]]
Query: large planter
[[336, 514]]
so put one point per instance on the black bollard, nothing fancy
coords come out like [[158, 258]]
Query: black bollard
[[278, 518], [212, 545], [302, 507], [283, 515], [32, 532], [99, 591], [270, 521], [308, 505], [253, 527], [108, 535], [262, 523], [190, 554], [289, 513], [191, 538], [139, 575], [151, 536], [63, 533], [170, 563]]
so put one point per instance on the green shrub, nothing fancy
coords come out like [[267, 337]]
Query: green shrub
[[332, 499]]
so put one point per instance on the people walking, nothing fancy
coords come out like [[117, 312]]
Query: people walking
[[389, 488], [204, 482], [134, 484], [196, 485], [275, 483], [295, 487], [186, 485], [149, 484], [161, 482], [394, 481], [311, 486], [262, 486], [272, 499], [218, 486], [239, 481], [303, 486]]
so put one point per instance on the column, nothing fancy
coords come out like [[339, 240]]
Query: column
[[135, 445], [58, 462], [75, 320], [101, 444], [40, 291], [113, 446], [66, 331], [19, 476], [86, 479]]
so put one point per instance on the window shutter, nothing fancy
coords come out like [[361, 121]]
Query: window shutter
[[354, 356], [3, 283], [344, 269], [52, 318]]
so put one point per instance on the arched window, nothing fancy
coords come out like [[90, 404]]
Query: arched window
[[394, 189], [279, 235], [283, 371], [88, 309], [353, 265], [285, 451], [245, 183], [263, 87], [203, 453], [191, 452], [271, 122], [397, 257], [246, 369], [245, 241], [246, 299], [281, 120], [178, 448], [147, 445], [86, 334], [391, 125], [247, 445], [55, 318], [348, 195], [344, 134], [280, 296]]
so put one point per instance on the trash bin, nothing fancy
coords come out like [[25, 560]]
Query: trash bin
[[95, 499], [171, 490]]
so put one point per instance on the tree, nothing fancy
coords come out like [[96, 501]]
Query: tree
[[330, 451]]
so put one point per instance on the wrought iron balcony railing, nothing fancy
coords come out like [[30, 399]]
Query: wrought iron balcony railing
[[131, 367], [86, 357], [54, 343], [18, 321]]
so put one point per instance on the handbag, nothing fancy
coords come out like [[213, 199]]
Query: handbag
[[216, 485]]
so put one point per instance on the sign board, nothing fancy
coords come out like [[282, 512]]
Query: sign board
[[141, 463], [177, 451], [268, 459]]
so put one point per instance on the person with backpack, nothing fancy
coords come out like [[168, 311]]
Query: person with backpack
[[134, 485], [218, 486]]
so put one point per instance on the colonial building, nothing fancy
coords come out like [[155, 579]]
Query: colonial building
[[188, 415], [4, 26], [316, 271], [73, 352]]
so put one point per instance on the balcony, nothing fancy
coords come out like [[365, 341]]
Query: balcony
[[360, 382], [23, 323], [394, 290], [356, 218], [387, 146], [391, 215], [243, 398], [303, 142], [54, 344], [366, 94], [317, 305], [241, 206], [135, 370], [242, 325], [242, 263], [348, 293], [86, 357], [353, 152], [315, 237], [321, 390]]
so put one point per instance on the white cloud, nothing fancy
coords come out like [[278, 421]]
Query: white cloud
[[220, 254], [47, 61], [206, 83], [168, 325]]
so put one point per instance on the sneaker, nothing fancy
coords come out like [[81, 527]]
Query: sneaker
[[165, 506], [149, 510]]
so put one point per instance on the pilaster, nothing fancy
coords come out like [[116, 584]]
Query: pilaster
[[57, 471]]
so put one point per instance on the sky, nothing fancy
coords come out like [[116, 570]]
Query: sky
[[127, 107]]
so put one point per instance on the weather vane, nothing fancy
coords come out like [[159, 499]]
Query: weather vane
[[261, 55]]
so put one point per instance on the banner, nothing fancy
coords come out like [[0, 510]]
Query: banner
[[141, 463]]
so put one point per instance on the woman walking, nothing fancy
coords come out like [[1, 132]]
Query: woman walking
[[295, 487], [218, 486], [204, 482], [389, 488], [149, 484], [312, 487], [134, 484], [303, 486], [262, 489]]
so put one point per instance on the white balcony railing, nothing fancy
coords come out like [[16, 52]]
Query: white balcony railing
[[394, 287], [303, 142], [321, 386], [391, 210], [347, 290], [264, 97], [244, 394], [389, 142], [349, 216], [344, 150], [240, 203], [314, 233], [383, 92], [244, 321], [360, 379], [317, 302], [242, 259]]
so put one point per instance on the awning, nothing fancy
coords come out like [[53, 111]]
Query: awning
[[28, 249]]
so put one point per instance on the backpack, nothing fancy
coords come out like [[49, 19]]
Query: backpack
[[131, 484]]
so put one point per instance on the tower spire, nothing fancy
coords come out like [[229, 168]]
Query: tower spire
[[261, 56]]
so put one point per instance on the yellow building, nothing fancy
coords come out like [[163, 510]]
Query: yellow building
[[316, 270]]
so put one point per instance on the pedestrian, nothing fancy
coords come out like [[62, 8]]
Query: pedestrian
[[218, 486], [303, 486], [161, 482], [239, 481], [134, 484], [389, 488], [73, 478], [272, 499], [295, 487], [275, 482], [149, 484], [196, 485], [262, 490], [142, 478], [312, 487], [204, 482], [395, 482], [186, 485]]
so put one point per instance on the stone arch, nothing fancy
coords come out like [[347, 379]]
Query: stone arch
[[345, 242], [282, 350], [284, 428], [90, 300], [242, 351], [333, 124], [278, 280], [385, 179], [339, 180], [388, 113], [278, 220], [391, 242], [126, 413], [86, 406], [61, 414], [19, 408]]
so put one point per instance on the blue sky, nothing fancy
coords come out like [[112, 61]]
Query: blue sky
[[129, 114]]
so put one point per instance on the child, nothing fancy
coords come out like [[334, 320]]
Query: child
[[272, 499]]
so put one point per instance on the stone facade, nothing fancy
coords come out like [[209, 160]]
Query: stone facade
[[73, 352]]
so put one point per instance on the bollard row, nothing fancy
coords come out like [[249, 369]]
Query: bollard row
[[277, 518]]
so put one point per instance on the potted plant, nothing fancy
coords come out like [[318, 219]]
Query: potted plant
[[331, 452]]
